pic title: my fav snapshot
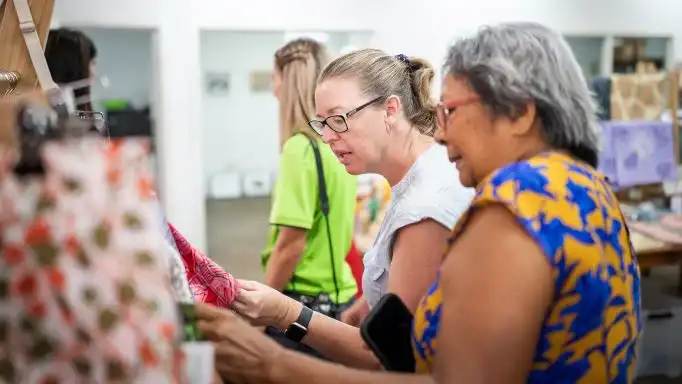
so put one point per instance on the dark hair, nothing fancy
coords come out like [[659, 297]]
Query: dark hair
[[69, 54]]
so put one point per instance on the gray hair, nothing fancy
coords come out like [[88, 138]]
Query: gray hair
[[511, 64]]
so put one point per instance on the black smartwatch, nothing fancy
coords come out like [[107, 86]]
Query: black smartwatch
[[297, 331]]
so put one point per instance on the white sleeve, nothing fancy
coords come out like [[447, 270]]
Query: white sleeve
[[445, 207]]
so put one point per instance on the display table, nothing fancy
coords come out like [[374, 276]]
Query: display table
[[652, 253]]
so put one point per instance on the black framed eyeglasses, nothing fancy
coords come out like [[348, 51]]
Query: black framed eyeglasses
[[96, 119], [339, 123]]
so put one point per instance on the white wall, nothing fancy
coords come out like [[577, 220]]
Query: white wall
[[430, 28], [237, 138], [240, 128], [124, 57], [423, 28]]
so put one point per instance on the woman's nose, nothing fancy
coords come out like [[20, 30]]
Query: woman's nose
[[328, 135], [439, 134]]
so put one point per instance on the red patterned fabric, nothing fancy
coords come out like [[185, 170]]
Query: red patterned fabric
[[209, 283]]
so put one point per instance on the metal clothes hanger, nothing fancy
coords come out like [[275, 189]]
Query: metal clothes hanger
[[9, 81]]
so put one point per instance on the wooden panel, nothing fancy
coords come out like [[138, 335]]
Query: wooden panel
[[13, 52], [14, 57]]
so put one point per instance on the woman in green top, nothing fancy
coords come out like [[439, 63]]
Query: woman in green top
[[305, 256]]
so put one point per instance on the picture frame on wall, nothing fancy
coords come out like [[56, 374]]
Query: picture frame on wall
[[261, 81], [217, 83]]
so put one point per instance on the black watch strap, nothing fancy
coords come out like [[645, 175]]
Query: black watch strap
[[297, 331]]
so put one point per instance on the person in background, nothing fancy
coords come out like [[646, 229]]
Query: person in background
[[375, 112], [540, 283], [305, 254], [71, 57]]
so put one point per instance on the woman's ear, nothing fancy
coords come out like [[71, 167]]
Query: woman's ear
[[525, 121], [393, 108]]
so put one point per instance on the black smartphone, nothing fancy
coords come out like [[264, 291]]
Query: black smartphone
[[387, 330]]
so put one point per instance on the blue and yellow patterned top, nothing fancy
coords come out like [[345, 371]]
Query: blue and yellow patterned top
[[591, 330]]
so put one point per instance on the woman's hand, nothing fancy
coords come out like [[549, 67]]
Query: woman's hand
[[356, 313], [264, 306], [242, 353]]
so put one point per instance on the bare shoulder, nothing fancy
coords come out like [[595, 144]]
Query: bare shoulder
[[494, 246]]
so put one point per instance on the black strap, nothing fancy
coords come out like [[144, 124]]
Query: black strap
[[299, 329], [322, 185], [324, 204]]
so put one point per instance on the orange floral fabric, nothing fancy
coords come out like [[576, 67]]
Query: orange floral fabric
[[85, 294]]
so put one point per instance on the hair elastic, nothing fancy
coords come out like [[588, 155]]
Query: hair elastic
[[403, 58]]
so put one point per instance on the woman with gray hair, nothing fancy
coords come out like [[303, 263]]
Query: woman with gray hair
[[540, 283]]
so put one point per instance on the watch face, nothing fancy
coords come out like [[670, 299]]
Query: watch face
[[296, 332]]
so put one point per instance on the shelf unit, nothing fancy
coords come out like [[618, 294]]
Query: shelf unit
[[603, 55]]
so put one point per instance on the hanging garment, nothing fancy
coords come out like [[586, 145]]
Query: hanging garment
[[639, 96], [178, 273], [601, 87], [208, 282], [178, 276], [86, 296], [638, 152]]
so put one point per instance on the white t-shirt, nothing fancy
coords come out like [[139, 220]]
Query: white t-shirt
[[430, 190]]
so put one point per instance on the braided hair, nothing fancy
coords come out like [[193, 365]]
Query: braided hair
[[299, 63]]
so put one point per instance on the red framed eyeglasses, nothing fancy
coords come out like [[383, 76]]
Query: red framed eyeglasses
[[446, 107]]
